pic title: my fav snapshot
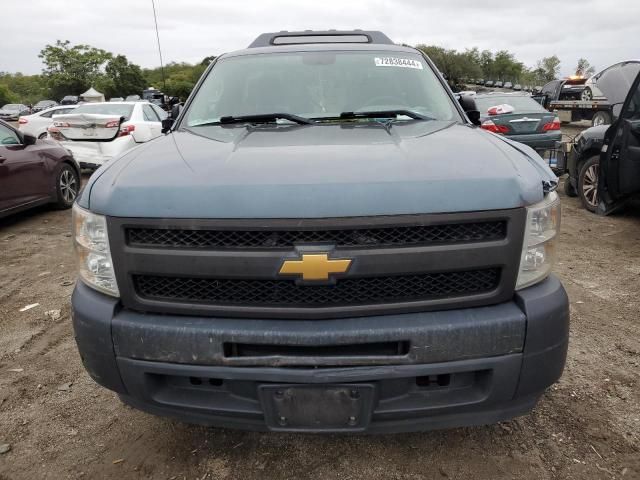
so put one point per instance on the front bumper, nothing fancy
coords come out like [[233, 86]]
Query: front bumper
[[462, 367]]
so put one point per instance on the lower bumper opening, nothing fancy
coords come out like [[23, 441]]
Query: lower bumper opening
[[235, 397], [386, 349]]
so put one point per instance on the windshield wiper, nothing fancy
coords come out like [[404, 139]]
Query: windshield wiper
[[384, 114], [263, 118]]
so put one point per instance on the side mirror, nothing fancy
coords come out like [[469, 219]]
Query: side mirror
[[28, 140], [168, 122], [468, 104], [175, 111]]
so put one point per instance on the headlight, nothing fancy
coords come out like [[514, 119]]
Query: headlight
[[540, 237], [92, 249]]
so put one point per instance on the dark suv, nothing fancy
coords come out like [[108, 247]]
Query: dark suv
[[604, 161], [324, 240]]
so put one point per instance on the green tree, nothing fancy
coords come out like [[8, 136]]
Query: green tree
[[70, 70], [486, 64], [455, 65], [6, 95], [584, 68], [27, 89], [548, 68], [125, 78], [180, 78]]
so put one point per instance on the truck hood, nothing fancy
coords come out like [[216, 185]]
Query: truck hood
[[315, 171]]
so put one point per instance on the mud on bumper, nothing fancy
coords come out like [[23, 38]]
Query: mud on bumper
[[378, 374]]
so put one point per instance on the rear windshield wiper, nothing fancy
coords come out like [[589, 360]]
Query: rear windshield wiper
[[384, 114], [265, 117]]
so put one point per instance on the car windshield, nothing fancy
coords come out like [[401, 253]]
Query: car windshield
[[106, 109], [12, 106], [520, 104], [320, 85]]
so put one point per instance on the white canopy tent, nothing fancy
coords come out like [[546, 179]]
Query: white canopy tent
[[92, 96]]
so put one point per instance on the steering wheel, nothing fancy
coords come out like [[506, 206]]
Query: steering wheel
[[384, 100]]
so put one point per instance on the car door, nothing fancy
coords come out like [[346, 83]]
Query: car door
[[152, 120], [23, 176], [620, 157]]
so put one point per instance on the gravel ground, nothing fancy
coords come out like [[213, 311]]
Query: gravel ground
[[59, 424]]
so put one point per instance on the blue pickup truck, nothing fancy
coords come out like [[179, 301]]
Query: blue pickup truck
[[323, 240]]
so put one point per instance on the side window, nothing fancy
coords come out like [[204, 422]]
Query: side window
[[630, 72], [633, 109], [149, 114], [48, 114], [8, 136], [161, 113]]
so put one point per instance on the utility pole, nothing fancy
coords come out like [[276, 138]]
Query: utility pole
[[155, 19]]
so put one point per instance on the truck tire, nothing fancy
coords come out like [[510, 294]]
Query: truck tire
[[569, 190], [601, 118], [588, 183], [67, 186]]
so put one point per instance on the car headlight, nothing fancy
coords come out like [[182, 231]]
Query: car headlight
[[540, 237], [91, 243]]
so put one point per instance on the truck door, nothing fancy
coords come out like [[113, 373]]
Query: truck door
[[620, 157]]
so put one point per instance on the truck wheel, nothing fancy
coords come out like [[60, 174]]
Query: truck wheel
[[601, 118], [67, 186], [588, 183], [569, 190], [586, 95]]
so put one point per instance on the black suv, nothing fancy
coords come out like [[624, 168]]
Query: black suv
[[604, 162]]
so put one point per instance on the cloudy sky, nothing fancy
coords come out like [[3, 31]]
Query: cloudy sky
[[603, 31]]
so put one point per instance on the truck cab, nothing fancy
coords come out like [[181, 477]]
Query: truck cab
[[323, 240]]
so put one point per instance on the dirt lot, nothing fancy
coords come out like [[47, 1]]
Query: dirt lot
[[60, 424]]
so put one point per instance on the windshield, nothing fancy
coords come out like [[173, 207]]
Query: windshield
[[320, 85], [106, 109], [12, 106], [519, 104]]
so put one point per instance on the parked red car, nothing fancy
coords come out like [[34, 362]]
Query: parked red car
[[34, 172]]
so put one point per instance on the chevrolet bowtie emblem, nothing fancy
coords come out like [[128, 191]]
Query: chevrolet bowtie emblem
[[314, 266]]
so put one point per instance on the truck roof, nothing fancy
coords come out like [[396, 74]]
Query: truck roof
[[325, 40], [284, 37]]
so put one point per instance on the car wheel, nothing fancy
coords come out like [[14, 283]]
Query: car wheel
[[569, 190], [67, 186], [601, 118], [42, 136], [588, 183], [586, 95]]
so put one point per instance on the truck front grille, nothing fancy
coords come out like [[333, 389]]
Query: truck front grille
[[402, 263], [268, 238], [285, 293]]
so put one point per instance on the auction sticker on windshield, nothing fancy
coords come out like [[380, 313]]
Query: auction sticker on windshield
[[397, 62]]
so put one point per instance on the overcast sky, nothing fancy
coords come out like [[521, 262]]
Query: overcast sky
[[603, 31]]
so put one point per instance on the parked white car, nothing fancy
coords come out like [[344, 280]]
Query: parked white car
[[38, 123], [98, 132]]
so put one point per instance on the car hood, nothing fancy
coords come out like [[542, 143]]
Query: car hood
[[314, 171], [9, 112]]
